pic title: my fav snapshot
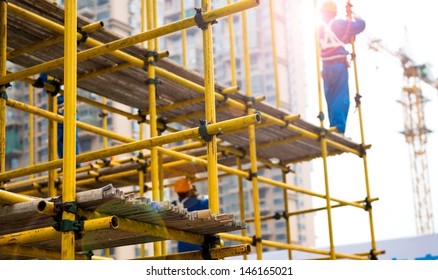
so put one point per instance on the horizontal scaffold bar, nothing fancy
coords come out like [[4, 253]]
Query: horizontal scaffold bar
[[37, 253], [246, 175], [49, 233], [289, 246], [215, 253], [192, 133]]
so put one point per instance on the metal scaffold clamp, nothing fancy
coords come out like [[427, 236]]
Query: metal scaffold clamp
[[200, 20], [147, 61], [57, 87], [202, 130], [84, 36], [252, 175], [67, 225], [210, 242], [372, 255], [142, 116], [279, 215], [3, 93], [367, 204], [256, 240], [163, 123], [357, 100]]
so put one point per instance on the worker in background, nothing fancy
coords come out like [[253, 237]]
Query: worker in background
[[188, 198], [334, 35], [61, 130]]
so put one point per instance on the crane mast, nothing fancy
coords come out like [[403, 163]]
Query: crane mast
[[416, 133]]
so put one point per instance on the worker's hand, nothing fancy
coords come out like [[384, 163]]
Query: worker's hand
[[348, 9]]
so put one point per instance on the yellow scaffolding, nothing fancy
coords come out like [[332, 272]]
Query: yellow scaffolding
[[252, 133]]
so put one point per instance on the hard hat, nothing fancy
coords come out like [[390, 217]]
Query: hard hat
[[183, 185], [329, 6]]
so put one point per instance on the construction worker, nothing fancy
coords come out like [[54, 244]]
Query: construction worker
[[61, 130], [334, 35], [189, 199]]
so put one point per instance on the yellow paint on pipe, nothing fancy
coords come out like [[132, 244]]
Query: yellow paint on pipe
[[3, 47], [274, 52]]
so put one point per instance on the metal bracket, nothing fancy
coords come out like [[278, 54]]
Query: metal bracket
[[67, 225], [252, 175], [143, 116], [357, 99], [200, 20], [151, 81], [84, 36], [210, 242], [4, 95], [320, 116], [148, 54], [279, 215], [367, 204], [163, 122], [256, 240], [70, 207], [89, 254], [202, 130], [362, 150], [372, 256], [57, 86]]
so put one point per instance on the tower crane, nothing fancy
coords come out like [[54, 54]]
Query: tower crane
[[415, 131]]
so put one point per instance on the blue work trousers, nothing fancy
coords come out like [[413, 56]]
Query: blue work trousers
[[61, 142], [337, 94]]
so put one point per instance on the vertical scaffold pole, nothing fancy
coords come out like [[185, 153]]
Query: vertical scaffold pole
[[3, 46], [362, 136], [157, 39], [52, 107], [31, 136], [69, 163], [183, 35], [232, 51], [241, 197], [286, 210], [153, 113], [210, 112], [252, 141], [274, 52], [323, 141], [105, 145]]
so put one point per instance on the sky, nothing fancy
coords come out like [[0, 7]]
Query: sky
[[399, 24]]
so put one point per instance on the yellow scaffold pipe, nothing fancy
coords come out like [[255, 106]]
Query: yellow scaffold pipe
[[232, 50], [288, 246], [132, 40], [241, 197], [37, 253], [252, 142], [151, 81], [183, 35], [286, 209], [323, 141], [362, 133], [3, 97], [69, 160], [49, 233], [53, 144], [210, 112]]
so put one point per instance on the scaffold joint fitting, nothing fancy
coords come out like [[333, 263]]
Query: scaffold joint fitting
[[279, 215], [372, 255], [249, 102], [147, 61], [256, 240], [367, 204], [210, 242], [224, 101], [103, 115], [57, 87], [252, 175], [4, 95], [71, 207], [152, 81], [143, 116], [67, 225], [163, 122], [357, 99], [84, 36], [362, 150], [89, 254], [320, 116], [200, 20], [202, 130]]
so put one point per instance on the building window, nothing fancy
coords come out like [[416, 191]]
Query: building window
[[101, 2], [103, 15], [85, 145]]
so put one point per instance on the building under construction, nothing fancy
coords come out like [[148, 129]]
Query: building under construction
[[71, 207]]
